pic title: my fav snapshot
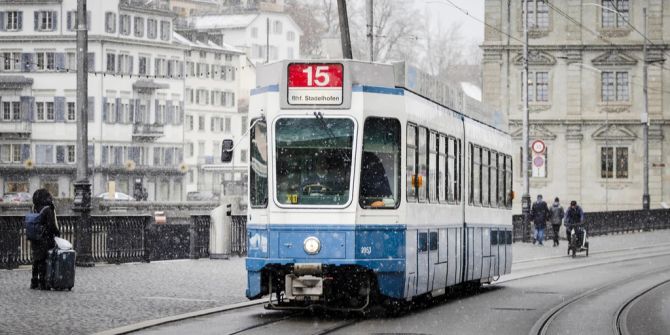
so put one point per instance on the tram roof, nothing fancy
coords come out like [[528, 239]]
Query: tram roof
[[398, 75]]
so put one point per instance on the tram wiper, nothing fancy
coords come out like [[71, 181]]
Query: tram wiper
[[322, 122]]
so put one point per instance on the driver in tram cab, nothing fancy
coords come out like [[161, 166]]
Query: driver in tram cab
[[321, 178]]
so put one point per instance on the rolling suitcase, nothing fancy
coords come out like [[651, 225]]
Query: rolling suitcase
[[60, 269]]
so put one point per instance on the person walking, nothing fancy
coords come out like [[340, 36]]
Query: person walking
[[574, 216], [557, 214], [539, 213], [43, 203]]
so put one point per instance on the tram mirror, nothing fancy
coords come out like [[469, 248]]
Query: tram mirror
[[227, 151]]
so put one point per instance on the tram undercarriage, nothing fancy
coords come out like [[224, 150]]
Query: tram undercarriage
[[309, 286]]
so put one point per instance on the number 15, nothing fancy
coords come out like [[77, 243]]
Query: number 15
[[322, 78]]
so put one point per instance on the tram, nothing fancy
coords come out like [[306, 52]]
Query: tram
[[372, 182]]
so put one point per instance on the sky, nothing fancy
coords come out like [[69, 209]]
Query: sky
[[445, 13]]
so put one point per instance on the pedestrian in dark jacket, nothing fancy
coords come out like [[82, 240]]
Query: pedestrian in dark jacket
[[539, 214], [42, 200], [574, 216], [557, 215]]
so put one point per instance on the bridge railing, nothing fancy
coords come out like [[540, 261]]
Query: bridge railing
[[114, 239], [606, 223]]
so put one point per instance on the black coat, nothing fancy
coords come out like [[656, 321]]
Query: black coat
[[40, 248], [540, 214]]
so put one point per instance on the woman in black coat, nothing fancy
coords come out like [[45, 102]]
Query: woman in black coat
[[42, 200]]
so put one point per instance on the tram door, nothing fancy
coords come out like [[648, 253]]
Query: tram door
[[422, 262]]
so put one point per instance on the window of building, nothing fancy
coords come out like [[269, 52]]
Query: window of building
[[124, 24], [614, 162], [71, 157], [201, 123], [290, 35], [11, 153], [165, 30], [538, 14], [614, 86], [110, 22], [277, 27], [71, 111], [538, 86], [125, 64], [289, 52], [227, 125], [243, 156], [13, 21], [45, 111], [11, 111], [254, 32], [245, 125], [139, 26], [111, 63], [152, 29], [11, 61], [45, 20], [615, 13], [46, 61], [71, 61], [143, 65]]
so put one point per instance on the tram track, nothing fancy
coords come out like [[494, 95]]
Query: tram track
[[619, 321], [542, 326], [327, 329]]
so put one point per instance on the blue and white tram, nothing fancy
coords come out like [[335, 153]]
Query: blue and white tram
[[370, 181]]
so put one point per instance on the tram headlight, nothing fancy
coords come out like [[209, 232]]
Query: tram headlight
[[312, 245]]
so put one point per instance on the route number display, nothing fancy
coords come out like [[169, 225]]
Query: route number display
[[315, 84]]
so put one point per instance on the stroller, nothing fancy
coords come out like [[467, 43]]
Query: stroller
[[578, 240]]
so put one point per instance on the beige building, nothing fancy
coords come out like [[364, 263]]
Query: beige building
[[586, 96], [194, 7]]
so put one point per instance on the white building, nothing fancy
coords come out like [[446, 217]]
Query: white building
[[262, 35], [212, 114], [136, 89]]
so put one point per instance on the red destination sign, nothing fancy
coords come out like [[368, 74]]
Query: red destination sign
[[315, 84]]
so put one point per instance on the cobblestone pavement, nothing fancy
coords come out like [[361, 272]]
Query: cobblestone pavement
[[110, 296]]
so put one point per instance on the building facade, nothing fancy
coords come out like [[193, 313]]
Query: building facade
[[194, 7], [586, 96], [263, 35], [212, 114], [135, 105]]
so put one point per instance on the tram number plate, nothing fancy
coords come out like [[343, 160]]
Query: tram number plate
[[315, 84]]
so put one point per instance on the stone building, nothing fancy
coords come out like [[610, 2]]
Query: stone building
[[586, 96]]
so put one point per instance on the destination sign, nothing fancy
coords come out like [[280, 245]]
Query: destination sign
[[315, 83]]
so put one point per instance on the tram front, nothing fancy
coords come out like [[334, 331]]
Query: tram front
[[305, 248]]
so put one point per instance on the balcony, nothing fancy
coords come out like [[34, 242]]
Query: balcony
[[15, 129], [147, 132]]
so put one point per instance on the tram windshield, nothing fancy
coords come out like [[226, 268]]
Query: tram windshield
[[314, 160]]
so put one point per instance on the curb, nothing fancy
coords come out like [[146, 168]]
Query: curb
[[157, 322]]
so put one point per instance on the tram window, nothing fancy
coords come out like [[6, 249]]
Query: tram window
[[433, 241], [501, 180], [494, 179], [458, 171], [508, 181], [494, 237], [452, 168], [411, 163], [258, 172], [380, 169], [314, 161], [486, 182], [476, 172], [423, 242], [508, 236], [443, 169], [432, 167], [423, 166]]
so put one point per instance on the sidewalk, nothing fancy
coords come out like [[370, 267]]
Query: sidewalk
[[111, 296]]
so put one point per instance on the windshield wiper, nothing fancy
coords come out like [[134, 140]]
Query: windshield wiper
[[322, 122]]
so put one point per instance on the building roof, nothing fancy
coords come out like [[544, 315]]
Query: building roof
[[209, 45], [223, 21], [232, 21]]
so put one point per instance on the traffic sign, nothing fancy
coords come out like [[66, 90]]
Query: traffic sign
[[538, 161], [538, 146]]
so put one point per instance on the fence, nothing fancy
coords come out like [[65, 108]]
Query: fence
[[114, 239], [239, 235], [605, 223]]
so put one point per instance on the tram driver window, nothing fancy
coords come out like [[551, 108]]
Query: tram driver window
[[314, 161], [258, 172], [380, 169]]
